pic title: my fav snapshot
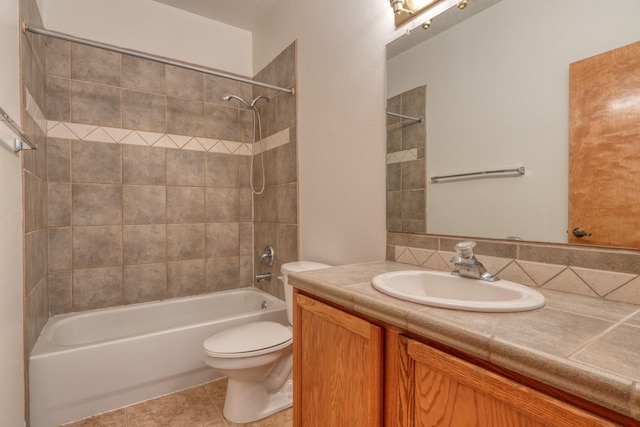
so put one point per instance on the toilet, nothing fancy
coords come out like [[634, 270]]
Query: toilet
[[257, 358]]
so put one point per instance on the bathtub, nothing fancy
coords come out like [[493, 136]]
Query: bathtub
[[92, 362]]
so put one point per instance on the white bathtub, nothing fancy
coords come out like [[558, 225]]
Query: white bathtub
[[92, 362]]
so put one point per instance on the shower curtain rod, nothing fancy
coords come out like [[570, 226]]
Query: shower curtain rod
[[150, 57]]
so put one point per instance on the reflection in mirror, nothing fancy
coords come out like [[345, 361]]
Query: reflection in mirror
[[406, 162], [498, 90]]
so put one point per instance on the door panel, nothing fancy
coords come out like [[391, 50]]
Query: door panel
[[604, 148]]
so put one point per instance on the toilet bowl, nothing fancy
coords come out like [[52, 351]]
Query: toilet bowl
[[257, 358]]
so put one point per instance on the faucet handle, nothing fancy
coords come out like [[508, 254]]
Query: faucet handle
[[458, 260], [268, 256], [465, 249]]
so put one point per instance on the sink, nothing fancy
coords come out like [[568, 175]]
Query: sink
[[445, 290]]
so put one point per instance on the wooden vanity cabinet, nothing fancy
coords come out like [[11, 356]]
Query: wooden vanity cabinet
[[344, 365], [439, 389], [337, 367]]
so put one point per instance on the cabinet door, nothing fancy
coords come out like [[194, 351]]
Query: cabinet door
[[337, 367], [446, 391]]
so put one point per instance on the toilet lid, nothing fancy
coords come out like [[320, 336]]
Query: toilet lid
[[255, 337]]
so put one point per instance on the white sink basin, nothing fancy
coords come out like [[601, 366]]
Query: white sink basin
[[445, 290]]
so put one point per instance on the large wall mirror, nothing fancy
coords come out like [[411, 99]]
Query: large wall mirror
[[496, 97]]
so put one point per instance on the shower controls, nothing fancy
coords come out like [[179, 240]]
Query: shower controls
[[268, 256]]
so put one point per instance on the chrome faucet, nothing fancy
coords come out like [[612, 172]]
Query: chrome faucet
[[467, 265], [263, 277]]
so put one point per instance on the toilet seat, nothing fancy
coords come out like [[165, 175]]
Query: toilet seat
[[251, 339]]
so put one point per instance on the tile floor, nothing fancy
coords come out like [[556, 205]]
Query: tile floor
[[199, 406]]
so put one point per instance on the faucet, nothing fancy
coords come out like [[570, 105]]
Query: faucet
[[263, 277], [467, 265]]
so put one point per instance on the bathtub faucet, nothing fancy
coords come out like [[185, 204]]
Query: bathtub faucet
[[263, 277]]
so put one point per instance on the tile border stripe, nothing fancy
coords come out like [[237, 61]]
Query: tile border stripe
[[94, 133]]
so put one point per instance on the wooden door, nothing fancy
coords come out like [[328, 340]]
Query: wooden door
[[337, 367], [449, 392], [604, 148]]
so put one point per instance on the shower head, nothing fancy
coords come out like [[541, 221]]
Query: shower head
[[256, 99], [250, 105], [229, 97], [256, 126]]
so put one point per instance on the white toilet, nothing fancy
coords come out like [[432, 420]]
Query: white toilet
[[258, 360]]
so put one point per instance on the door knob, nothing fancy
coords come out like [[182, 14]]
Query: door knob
[[580, 232]]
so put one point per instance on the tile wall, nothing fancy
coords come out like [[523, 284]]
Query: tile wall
[[406, 148], [32, 59], [34, 184], [612, 274], [148, 178], [276, 209]]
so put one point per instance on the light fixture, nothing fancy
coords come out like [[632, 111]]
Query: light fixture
[[405, 10], [398, 6]]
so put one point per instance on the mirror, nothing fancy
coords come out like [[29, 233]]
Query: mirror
[[497, 93]]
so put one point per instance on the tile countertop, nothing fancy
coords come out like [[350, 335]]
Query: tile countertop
[[586, 346]]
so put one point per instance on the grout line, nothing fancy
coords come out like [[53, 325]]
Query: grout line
[[601, 334]]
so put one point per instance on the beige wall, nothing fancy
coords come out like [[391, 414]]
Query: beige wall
[[11, 327], [156, 28], [11, 348], [341, 134]]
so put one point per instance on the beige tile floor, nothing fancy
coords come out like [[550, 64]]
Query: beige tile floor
[[199, 406]]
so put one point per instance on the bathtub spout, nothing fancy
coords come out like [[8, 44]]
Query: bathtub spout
[[263, 277]]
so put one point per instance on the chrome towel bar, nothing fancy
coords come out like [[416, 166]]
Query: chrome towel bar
[[519, 171], [402, 116], [20, 140]]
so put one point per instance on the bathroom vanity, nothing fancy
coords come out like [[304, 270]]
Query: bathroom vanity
[[375, 360]]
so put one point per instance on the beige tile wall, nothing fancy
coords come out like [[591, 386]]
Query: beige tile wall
[[132, 224], [613, 274], [34, 185], [276, 209], [32, 65], [406, 162], [131, 220]]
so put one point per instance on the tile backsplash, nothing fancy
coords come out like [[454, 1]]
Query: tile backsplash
[[603, 273]]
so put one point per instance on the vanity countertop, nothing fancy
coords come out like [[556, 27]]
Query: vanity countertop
[[586, 346]]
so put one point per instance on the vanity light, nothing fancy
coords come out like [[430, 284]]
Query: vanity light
[[406, 10], [410, 6], [398, 6]]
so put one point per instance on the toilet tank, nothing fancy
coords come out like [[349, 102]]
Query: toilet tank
[[296, 267]]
